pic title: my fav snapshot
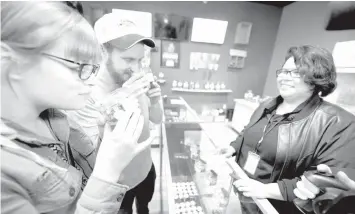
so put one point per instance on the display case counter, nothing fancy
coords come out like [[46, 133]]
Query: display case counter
[[198, 178]]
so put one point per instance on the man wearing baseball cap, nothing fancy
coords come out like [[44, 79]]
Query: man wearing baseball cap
[[122, 77]]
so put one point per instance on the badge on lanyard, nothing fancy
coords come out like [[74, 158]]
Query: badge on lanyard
[[252, 162]]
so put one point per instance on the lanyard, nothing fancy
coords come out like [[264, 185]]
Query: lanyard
[[266, 132]]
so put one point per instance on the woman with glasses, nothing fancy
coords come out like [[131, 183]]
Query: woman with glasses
[[49, 58], [293, 132]]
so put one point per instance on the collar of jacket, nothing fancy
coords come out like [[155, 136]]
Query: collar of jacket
[[55, 120], [302, 111]]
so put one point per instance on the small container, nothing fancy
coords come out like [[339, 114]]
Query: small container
[[218, 86], [223, 86], [212, 177], [180, 84], [175, 84], [186, 85], [212, 86], [207, 86]]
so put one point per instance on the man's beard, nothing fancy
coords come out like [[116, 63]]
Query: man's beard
[[118, 76]]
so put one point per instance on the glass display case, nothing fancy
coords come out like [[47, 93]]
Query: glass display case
[[198, 179], [200, 184]]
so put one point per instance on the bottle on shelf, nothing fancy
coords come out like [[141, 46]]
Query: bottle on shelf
[[218, 86], [175, 84], [211, 86], [223, 86], [161, 75], [192, 85], [186, 85], [197, 85], [207, 85], [180, 84], [249, 95], [224, 107]]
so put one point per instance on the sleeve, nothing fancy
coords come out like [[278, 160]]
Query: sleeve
[[94, 200], [237, 142], [155, 112], [286, 188], [335, 149], [15, 199]]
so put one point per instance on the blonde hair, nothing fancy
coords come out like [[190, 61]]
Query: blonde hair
[[31, 27]]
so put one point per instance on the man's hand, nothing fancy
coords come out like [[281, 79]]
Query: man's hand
[[154, 93], [309, 193], [137, 85]]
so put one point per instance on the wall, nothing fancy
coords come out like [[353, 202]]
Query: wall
[[302, 23], [265, 21]]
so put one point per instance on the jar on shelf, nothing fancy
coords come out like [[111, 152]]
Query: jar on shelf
[[212, 86], [249, 95], [180, 84], [207, 86], [186, 85], [223, 86], [175, 84], [218, 86]]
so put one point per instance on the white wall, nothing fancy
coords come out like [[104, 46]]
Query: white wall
[[265, 21], [302, 23]]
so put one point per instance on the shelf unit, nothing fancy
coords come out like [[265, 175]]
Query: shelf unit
[[202, 90]]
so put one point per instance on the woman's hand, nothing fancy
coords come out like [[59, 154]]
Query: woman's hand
[[119, 146], [154, 93], [252, 188], [311, 191]]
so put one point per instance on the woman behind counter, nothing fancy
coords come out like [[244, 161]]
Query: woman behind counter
[[294, 132], [49, 57]]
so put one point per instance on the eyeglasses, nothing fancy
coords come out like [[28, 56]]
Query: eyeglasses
[[85, 70], [294, 73]]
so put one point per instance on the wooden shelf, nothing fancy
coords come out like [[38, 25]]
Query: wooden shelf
[[202, 90]]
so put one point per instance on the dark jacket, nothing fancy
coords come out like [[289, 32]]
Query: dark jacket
[[324, 135]]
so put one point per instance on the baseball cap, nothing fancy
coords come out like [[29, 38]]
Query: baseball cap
[[120, 32]]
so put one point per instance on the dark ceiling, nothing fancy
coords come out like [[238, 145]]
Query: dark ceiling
[[279, 4]]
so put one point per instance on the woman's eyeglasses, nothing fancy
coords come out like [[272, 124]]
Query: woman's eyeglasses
[[293, 73], [85, 70]]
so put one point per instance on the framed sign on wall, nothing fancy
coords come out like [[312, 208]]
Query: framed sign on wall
[[237, 58], [242, 34], [170, 54]]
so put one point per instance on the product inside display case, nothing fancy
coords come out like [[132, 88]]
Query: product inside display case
[[200, 180]]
